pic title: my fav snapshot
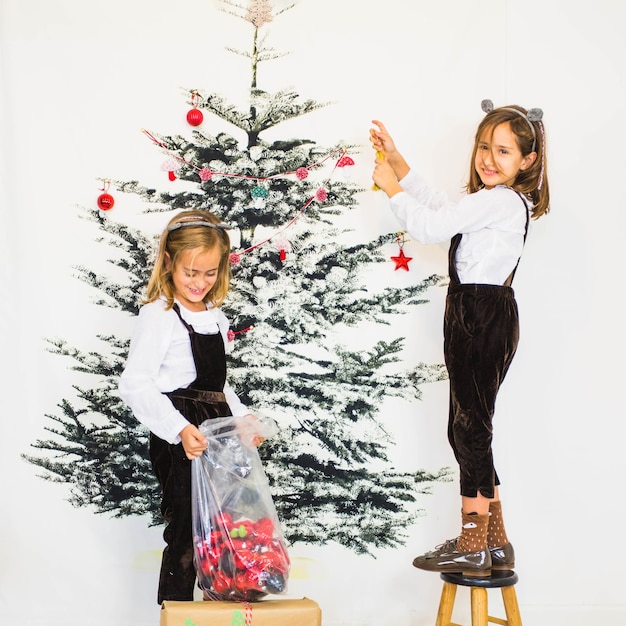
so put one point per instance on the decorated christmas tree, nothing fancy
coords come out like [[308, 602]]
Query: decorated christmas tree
[[297, 285]]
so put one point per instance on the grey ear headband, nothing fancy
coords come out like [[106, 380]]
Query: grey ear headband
[[533, 115], [197, 221]]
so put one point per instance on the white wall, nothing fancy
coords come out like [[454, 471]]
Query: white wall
[[79, 80]]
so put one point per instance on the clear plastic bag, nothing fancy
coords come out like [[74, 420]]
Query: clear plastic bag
[[239, 549]]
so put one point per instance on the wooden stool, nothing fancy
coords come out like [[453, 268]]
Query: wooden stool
[[505, 580]]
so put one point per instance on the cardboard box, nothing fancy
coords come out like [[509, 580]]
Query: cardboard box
[[302, 612]]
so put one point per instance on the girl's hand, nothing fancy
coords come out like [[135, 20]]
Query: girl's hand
[[385, 177], [249, 427], [381, 140], [194, 442], [390, 164]]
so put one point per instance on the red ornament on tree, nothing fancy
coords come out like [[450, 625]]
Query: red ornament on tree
[[401, 260], [195, 117], [321, 194], [283, 245], [105, 201]]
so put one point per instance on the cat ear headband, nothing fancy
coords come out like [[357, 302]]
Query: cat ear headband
[[533, 115], [197, 221]]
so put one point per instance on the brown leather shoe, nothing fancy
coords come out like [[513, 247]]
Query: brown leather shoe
[[447, 558], [502, 557]]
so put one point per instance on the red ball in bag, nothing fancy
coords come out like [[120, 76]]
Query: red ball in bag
[[264, 530], [221, 582]]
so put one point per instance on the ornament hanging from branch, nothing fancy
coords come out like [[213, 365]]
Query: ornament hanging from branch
[[259, 12], [205, 174], [321, 195], [283, 245], [401, 260], [171, 166], [105, 200], [345, 162], [194, 115], [260, 194]]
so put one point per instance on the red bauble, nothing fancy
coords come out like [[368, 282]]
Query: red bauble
[[195, 117], [105, 201]]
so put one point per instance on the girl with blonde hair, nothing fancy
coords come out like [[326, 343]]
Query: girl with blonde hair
[[175, 375]]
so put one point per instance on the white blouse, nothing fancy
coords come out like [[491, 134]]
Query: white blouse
[[492, 223], [160, 360]]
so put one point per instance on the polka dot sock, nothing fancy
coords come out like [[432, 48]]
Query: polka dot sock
[[473, 537], [496, 535]]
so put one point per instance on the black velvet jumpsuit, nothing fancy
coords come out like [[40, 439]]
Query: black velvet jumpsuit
[[481, 332], [203, 399]]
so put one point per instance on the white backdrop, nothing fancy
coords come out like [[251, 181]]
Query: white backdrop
[[80, 79]]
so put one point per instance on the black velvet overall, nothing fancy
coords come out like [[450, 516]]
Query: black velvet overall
[[203, 399], [481, 332]]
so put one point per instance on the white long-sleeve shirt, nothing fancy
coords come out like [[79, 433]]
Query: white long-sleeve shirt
[[492, 223], [160, 360]]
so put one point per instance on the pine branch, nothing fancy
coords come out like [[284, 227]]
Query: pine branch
[[266, 54], [269, 110]]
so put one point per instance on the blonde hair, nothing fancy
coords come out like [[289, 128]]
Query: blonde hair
[[188, 231], [533, 181]]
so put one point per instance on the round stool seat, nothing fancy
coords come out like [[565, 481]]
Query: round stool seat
[[498, 578], [503, 579]]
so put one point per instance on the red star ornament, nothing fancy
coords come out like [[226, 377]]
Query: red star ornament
[[401, 261]]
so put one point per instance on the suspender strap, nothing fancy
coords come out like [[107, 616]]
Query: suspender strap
[[509, 280], [189, 327]]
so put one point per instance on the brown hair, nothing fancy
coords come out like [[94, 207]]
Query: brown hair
[[528, 181], [178, 240]]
